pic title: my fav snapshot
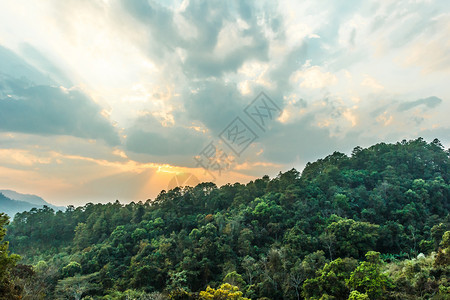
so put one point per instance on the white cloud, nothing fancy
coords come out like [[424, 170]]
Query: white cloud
[[193, 66], [371, 83], [231, 38], [314, 78], [253, 73]]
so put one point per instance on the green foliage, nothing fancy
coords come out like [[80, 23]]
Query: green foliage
[[235, 279], [288, 237], [443, 256], [78, 286], [331, 280], [418, 278], [355, 295], [7, 263], [367, 278], [71, 269], [179, 294], [225, 292], [353, 238]]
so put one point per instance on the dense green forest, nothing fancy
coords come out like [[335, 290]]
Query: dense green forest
[[372, 225]]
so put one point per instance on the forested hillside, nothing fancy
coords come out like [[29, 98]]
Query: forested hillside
[[374, 225]]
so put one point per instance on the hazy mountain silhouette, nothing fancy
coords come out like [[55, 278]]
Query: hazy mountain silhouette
[[12, 202]]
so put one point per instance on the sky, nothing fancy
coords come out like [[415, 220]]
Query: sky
[[106, 100]]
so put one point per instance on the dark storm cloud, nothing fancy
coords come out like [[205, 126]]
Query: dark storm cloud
[[47, 110]]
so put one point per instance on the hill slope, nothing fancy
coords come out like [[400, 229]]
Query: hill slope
[[296, 234], [12, 202], [11, 207], [33, 199]]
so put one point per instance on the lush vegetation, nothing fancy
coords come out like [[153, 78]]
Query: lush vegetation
[[374, 225]]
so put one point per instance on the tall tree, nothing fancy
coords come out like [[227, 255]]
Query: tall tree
[[7, 263]]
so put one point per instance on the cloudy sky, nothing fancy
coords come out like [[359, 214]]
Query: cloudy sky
[[106, 100]]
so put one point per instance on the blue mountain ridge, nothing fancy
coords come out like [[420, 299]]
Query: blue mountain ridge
[[12, 202]]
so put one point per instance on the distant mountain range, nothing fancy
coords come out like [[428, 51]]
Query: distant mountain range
[[12, 202]]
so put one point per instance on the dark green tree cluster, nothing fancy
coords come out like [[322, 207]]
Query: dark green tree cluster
[[347, 227], [7, 264]]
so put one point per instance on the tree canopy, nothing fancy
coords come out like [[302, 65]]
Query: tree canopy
[[347, 227]]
